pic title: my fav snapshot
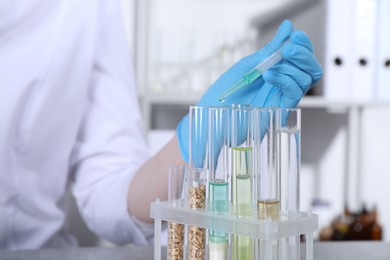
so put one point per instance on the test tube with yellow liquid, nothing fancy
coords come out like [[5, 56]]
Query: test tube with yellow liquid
[[242, 177], [268, 179]]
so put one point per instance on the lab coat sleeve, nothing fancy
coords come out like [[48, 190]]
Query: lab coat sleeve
[[110, 145]]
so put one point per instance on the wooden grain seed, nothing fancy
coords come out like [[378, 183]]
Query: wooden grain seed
[[175, 241], [197, 197], [197, 242], [196, 235]]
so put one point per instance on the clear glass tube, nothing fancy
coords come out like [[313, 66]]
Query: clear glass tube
[[218, 193], [175, 196], [268, 179], [288, 144], [197, 174], [196, 199], [198, 136], [288, 130], [242, 176]]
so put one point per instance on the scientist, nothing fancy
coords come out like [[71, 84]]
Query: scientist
[[70, 118]]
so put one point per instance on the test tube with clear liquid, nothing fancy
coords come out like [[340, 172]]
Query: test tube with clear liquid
[[218, 183], [288, 145], [268, 179], [242, 177], [176, 176]]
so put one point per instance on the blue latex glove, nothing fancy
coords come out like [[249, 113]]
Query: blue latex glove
[[281, 86]]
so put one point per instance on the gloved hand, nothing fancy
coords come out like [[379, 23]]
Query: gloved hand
[[283, 85]]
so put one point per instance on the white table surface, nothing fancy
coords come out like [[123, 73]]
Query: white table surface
[[322, 251]]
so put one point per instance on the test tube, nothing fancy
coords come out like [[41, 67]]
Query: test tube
[[242, 176], [175, 230], [196, 200], [288, 159], [198, 136], [197, 174], [218, 194], [288, 128], [268, 180]]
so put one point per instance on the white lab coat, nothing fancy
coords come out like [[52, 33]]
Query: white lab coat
[[69, 116]]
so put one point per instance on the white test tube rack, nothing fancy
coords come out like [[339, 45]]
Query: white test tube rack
[[301, 223]]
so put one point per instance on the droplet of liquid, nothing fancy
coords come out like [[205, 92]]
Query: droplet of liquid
[[222, 99]]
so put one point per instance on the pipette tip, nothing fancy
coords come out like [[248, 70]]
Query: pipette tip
[[222, 99]]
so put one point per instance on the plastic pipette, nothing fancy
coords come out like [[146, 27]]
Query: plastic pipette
[[253, 74]]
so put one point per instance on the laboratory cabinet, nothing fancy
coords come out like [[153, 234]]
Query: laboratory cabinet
[[181, 46]]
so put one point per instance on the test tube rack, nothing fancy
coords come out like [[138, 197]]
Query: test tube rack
[[289, 224]]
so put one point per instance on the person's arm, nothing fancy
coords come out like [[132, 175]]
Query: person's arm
[[110, 146], [151, 180]]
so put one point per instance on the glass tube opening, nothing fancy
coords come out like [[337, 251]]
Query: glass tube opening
[[198, 136]]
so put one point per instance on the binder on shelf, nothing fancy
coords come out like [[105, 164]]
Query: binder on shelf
[[364, 50], [338, 58], [383, 60]]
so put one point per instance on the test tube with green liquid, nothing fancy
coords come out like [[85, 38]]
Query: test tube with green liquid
[[242, 176], [218, 193]]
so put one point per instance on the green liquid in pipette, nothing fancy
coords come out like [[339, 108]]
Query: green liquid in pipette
[[244, 81], [251, 76], [218, 202], [242, 199]]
